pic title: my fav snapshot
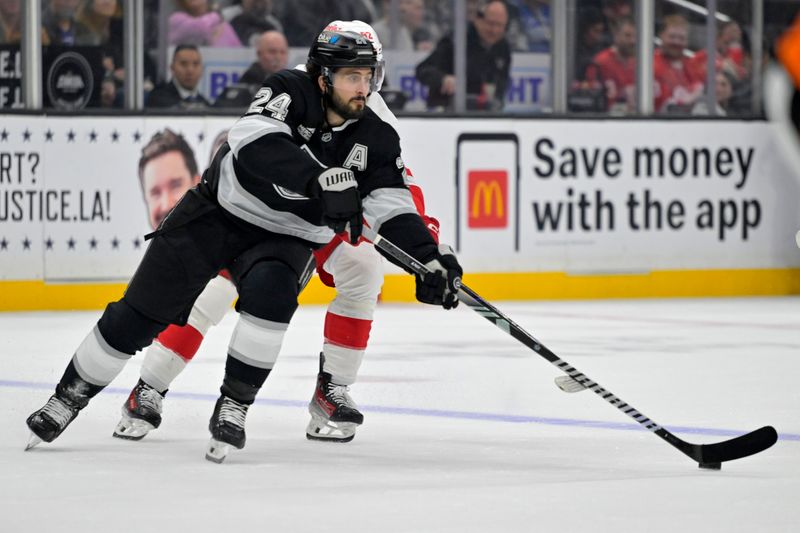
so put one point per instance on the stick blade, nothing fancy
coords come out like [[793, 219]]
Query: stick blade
[[567, 384], [742, 446]]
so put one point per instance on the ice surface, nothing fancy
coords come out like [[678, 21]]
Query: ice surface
[[464, 430]]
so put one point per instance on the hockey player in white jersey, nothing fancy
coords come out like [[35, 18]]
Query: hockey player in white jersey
[[357, 274], [307, 160]]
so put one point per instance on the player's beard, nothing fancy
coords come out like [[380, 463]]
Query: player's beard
[[347, 110]]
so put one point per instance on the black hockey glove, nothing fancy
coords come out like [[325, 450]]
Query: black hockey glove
[[440, 286], [341, 202]]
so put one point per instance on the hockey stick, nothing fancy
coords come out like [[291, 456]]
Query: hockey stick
[[709, 456]]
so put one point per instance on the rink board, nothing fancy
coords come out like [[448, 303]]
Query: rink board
[[39, 295], [535, 208]]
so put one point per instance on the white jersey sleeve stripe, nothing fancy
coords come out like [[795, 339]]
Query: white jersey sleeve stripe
[[248, 129], [384, 204]]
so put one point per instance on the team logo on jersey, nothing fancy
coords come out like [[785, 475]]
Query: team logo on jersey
[[487, 193], [357, 158], [304, 132], [326, 137]]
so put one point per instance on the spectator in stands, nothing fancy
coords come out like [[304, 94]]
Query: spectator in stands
[[110, 95], [615, 68], [614, 10], [103, 18], [413, 31], [742, 99], [272, 53], [678, 83], [729, 55], [254, 18], [439, 15], [181, 91], [198, 25], [61, 27], [304, 19], [10, 21], [530, 25], [363, 10], [487, 69], [723, 93], [167, 169], [591, 39]]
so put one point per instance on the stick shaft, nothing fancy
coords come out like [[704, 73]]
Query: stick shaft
[[707, 455], [470, 298]]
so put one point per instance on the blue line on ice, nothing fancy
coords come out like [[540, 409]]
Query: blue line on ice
[[438, 413]]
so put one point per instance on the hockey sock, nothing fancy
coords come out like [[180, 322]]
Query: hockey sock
[[177, 345], [76, 389], [345, 341], [168, 355], [95, 361], [242, 381]]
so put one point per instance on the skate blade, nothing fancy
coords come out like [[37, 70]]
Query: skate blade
[[309, 436], [33, 441], [217, 451], [322, 429], [132, 429]]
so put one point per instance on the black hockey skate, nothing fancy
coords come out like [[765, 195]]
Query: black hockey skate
[[51, 420], [334, 415], [227, 428], [141, 412]]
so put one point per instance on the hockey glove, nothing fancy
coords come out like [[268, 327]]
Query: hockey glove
[[440, 286], [341, 201]]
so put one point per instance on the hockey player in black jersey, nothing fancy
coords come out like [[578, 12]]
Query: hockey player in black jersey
[[307, 159]]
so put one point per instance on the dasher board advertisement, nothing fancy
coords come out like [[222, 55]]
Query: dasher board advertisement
[[77, 194], [487, 191], [606, 197]]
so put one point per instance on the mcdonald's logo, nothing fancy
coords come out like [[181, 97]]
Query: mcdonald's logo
[[487, 194]]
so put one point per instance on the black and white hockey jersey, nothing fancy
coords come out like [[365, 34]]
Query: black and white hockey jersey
[[276, 151]]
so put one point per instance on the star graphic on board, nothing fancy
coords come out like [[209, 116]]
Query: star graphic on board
[[48, 136], [26, 135], [4, 244], [92, 136], [136, 136], [4, 135], [71, 243], [137, 243], [115, 243], [201, 137], [114, 136], [93, 244], [48, 243], [71, 136], [26, 244]]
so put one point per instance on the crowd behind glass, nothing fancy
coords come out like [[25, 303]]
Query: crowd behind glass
[[501, 35]]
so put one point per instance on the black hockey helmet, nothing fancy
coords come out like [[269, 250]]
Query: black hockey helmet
[[338, 49]]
